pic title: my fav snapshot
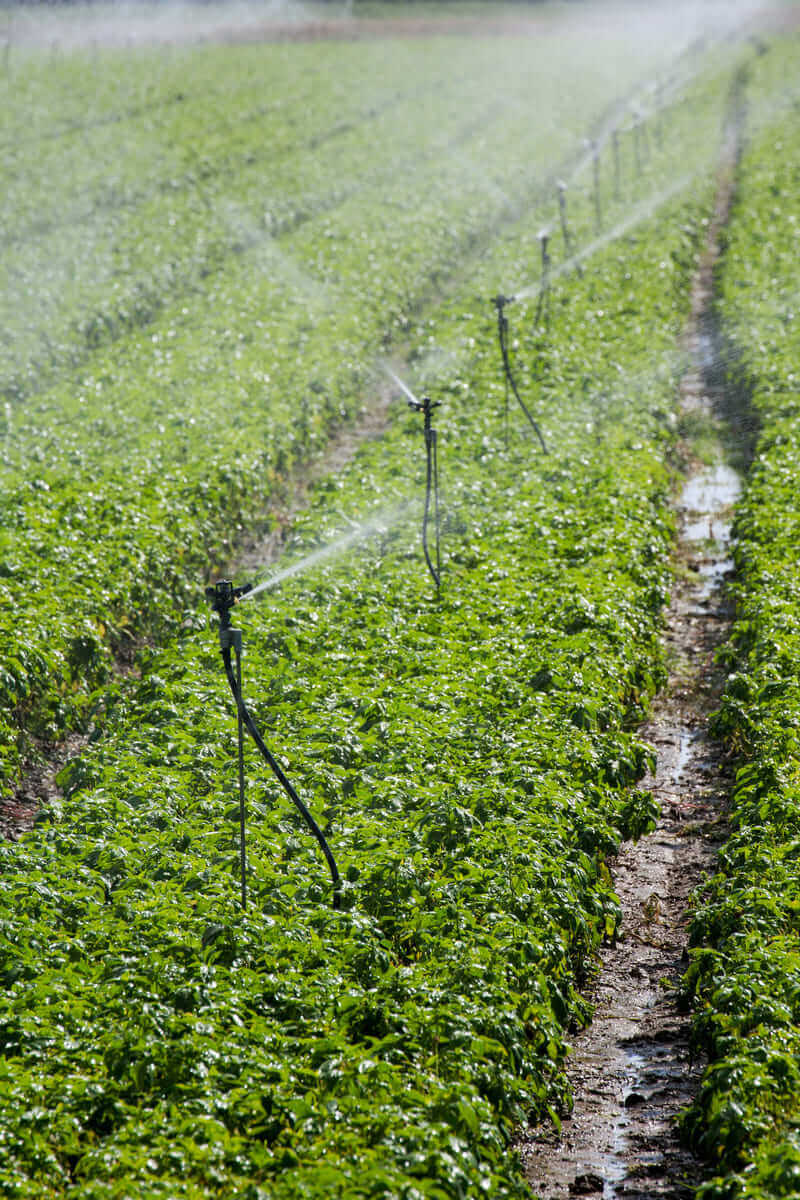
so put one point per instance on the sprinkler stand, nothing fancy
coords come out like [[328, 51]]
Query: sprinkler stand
[[543, 306], [426, 407], [637, 120], [562, 212], [565, 233], [596, 177], [500, 303], [222, 597]]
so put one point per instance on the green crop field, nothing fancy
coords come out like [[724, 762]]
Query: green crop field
[[211, 253]]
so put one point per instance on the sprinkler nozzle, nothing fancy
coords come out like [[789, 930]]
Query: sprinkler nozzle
[[544, 238], [223, 595], [500, 301], [424, 405]]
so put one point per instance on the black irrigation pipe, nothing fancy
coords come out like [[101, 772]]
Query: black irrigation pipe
[[500, 303], [222, 596]]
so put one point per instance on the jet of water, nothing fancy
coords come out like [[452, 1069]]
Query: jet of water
[[378, 523], [639, 214], [407, 392]]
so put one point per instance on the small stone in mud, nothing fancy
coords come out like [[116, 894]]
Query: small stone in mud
[[586, 1184]]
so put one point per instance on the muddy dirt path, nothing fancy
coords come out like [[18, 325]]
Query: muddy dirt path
[[631, 1071]]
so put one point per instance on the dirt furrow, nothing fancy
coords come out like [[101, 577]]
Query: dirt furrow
[[631, 1071]]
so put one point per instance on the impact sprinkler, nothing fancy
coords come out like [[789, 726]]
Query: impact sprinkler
[[222, 596], [500, 303], [543, 305]]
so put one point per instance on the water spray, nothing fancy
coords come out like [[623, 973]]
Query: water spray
[[500, 303], [222, 597]]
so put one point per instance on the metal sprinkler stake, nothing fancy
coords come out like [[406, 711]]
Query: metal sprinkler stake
[[222, 597], [596, 176], [500, 303], [543, 306], [565, 233], [426, 407], [659, 115], [562, 212], [637, 120], [645, 138]]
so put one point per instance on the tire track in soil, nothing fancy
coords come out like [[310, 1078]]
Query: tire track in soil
[[631, 1070]]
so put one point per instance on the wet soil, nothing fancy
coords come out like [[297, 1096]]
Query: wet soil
[[632, 1070]]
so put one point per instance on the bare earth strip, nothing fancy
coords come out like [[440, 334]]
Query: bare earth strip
[[631, 1071]]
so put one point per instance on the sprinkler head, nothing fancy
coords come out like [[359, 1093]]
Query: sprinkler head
[[424, 405], [500, 301], [544, 237], [222, 596]]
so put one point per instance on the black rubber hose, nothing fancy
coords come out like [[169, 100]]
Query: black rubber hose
[[275, 767], [501, 328]]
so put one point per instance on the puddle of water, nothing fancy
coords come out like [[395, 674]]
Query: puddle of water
[[705, 353], [712, 575], [685, 753], [712, 491], [708, 529]]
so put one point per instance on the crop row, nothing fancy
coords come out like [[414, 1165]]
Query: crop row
[[137, 471], [473, 762], [745, 973]]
